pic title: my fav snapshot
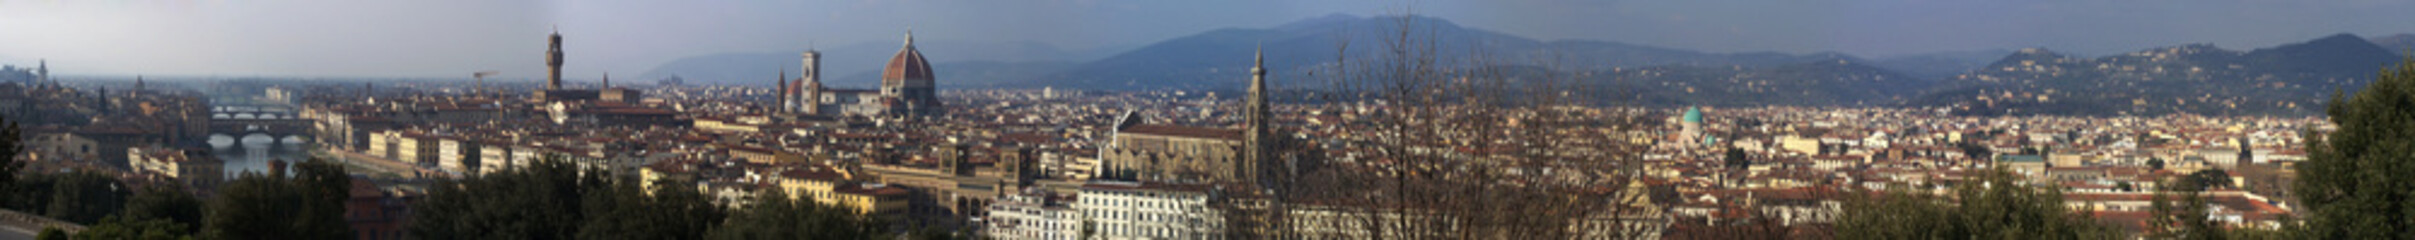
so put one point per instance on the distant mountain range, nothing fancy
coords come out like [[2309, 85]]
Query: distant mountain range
[[2288, 80], [1941, 65], [2402, 43], [1219, 59], [1832, 82], [2291, 79]]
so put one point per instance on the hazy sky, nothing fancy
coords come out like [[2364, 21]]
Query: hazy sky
[[450, 38]]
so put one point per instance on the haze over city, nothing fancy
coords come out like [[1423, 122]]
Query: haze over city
[[1244, 119], [440, 39]]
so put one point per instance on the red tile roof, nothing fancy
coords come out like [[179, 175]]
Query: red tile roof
[[1184, 131]]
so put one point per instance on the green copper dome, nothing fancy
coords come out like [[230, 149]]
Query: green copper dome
[[1693, 115]]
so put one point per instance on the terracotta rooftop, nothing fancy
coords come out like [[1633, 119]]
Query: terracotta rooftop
[[1184, 131]]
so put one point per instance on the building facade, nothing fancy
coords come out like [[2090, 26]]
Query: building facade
[[192, 167], [1147, 210], [1033, 215], [1171, 153]]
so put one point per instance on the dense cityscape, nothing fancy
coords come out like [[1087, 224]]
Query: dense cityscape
[[1395, 147]]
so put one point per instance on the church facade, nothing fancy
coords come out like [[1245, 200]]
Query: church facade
[[907, 89]]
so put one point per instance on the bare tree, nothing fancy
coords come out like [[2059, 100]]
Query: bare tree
[[1451, 147]]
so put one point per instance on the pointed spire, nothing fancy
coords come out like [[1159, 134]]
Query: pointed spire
[[785, 92], [909, 37], [1258, 65], [1257, 71], [1256, 159], [607, 80]]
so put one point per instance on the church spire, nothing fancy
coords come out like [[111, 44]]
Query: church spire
[[785, 92], [1255, 163]]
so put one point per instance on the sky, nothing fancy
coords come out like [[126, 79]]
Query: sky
[[451, 38]]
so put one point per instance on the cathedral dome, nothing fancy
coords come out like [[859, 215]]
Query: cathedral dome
[[906, 65], [1693, 115]]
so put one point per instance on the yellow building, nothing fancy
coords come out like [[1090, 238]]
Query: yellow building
[[878, 200], [1802, 145], [726, 125], [829, 187]]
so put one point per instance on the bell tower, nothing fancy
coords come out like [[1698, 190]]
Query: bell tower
[[810, 100], [786, 94], [1258, 136], [553, 61]]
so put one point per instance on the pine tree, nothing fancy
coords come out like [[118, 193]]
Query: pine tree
[[308, 205], [1992, 205], [166, 204], [115, 228], [540, 201], [553, 199], [85, 197], [2353, 184], [773, 215], [10, 146]]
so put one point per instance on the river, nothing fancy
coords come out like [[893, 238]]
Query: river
[[255, 152]]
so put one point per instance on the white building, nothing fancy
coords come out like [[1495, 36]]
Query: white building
[[496, 156], [1033, 215], [383, 143], [1146, 210], [457, 155]]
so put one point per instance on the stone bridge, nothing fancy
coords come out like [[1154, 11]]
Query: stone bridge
[[253, 112], [274, 128]]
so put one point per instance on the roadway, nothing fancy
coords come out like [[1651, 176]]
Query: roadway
[[17, 233]]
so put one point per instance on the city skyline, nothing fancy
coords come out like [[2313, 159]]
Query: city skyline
[[441, 39], [1710, 119]]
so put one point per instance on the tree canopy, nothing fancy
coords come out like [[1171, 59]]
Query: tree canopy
[[774, 215], [1992, 205], [552, 199], [2352, 183], [308, 205]]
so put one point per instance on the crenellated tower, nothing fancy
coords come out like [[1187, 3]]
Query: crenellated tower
[[553, 61]]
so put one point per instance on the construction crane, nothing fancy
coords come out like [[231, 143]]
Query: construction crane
[[481, 76]]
